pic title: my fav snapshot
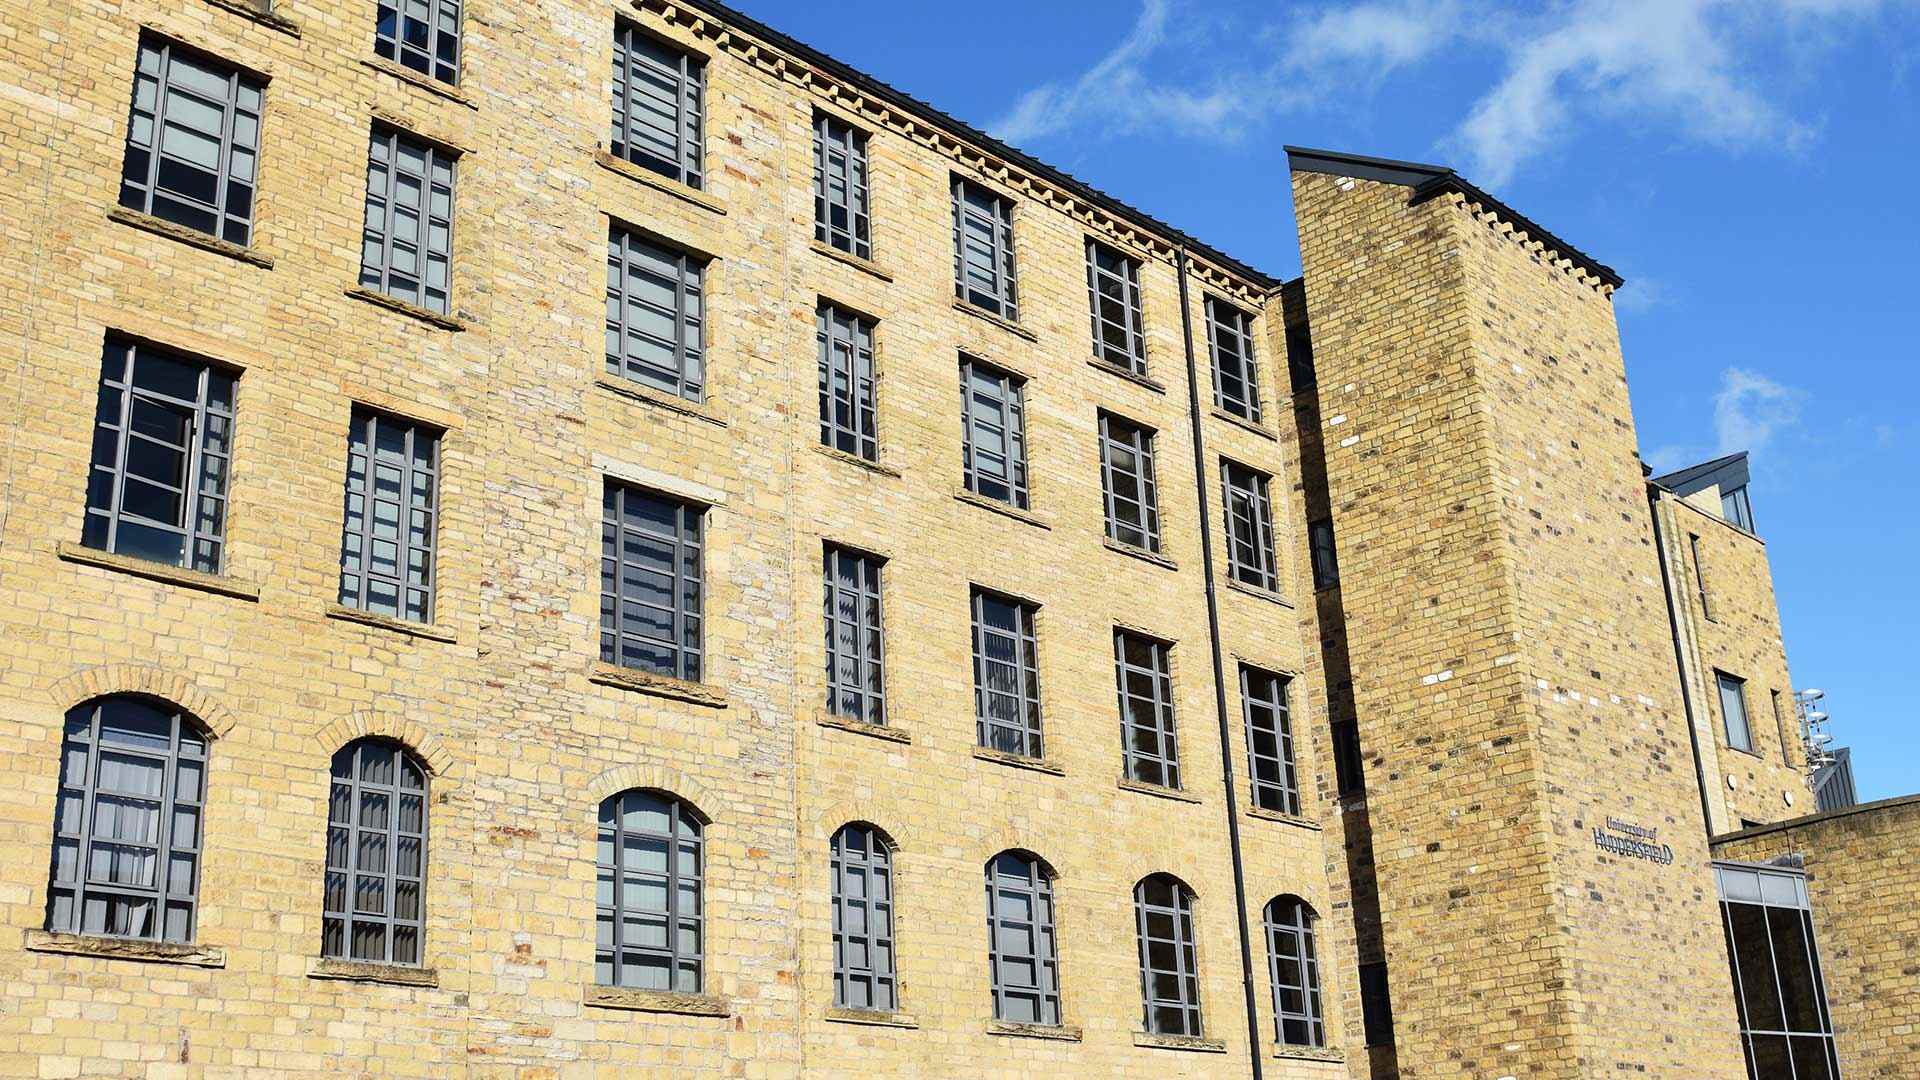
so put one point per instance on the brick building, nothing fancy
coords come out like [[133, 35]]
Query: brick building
[[784, 584]]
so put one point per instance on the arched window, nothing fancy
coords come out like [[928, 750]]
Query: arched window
[[374, 909], [1169, 977], [863, 975], [648, 897], [126, 832], [1295, 972], [1020, 940]]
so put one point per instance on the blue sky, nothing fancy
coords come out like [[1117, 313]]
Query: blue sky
[[1751, 166]]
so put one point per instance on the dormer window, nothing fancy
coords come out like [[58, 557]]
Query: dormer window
[[1735, 507]]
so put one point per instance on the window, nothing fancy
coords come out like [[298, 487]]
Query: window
[[994, 432], [1324, 554], [126, 834], [650, 583], [1348, 770], [1376, 1004], [376, 855], [1021, 953], [192, 142], [1126, 476], [1113, 292], [863, 921], [1295, 971], [1700, 576], [1733, 710], [1780, 723], [856, 687], [846, 382], [406, 250], [1146, 710], [983, 249], [420, 34], [1736, 508], [1169, 980], [162, 440], [1250, 558], [1230, 338], [1006, 675], [1300, 371], [648, 893], [386, 555], [658, 102], [840, 216], [1784, 1021], [1263, 698], [656, 314]]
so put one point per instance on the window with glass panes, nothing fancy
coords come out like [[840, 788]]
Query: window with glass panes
[[1006, 675], [1126, 474], [386, 552], [1250, 554], [1733, 711], [648, 894], [651, 590], [162, 446], [406, 248], [863, 921], [1145, 683], [1113, 292], [1022, 953], [1376, 1004], [1323, 553], [856, 684], [193, 140], [126, 830], [840, 217], [420, 34], [1270, 767], [1169, 975], [374, 908], [847, 416], [656, 314], [658, 100], [994, 432], [1236, 386], [1294, 970], [1785, 1024], [983, 249]]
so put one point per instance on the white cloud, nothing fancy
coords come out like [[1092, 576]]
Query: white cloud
[[1751, 409]]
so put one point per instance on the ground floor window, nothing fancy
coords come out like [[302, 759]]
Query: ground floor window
[[1785, 1027]]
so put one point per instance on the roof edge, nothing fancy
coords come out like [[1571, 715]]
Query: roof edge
[[1819, 818], [1362, 167]]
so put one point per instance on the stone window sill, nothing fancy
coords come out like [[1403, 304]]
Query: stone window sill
[[654, 180], [1000, 757], [1004, 509], [655, 1001], [642, 682], [1265, 814], [1142, 554], [1308, 1053], [388, 622], [838, 454], [111, 948], [1258, 593], [659, 399], [865, 266], [424, 82], [1242, 422], [172, 575], [413, 311], [1133, 377], [1059, 1032], [870, 1018], [362, 972], [861, 727], [191, 237], [1157, 791], [1192, 1043], [1000, 321], [251, 10]]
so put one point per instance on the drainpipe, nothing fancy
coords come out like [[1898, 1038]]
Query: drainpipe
[[1219, 676], [1680, 661]]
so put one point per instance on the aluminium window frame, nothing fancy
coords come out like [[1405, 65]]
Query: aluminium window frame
[[1160, 765], [435, 32], [1028, 728], [1274, 778], [1035, 891], [1251, 502], [349, 915], [1291, 920], [1770, 882], [1723, 681], [849, 381], [1132, 350], [686, 834], [869, 685], [690, 119], [379, 278], [833, 135], [1009, 394], [1185, 944], [139, 195], [1117, 433], [410, 471], [1002, 298], [873, 860], [689, 549], [1230, 341], [635, 252]]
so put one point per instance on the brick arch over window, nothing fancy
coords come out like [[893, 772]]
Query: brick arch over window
[[657, 778], [175, 688], [385, 724]]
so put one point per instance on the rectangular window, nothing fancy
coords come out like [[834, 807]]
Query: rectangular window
[[162, 446], [1700, 576], [840, 215], [1236, 384], [1250, 557], [1270, 765], [406, 250], [386, 553], [1376, 1005], [856, 687], [1006, 675], [1113, 292], [846, 382], [656, 314], [1324, 554], [192, 142], [420, 34], [994, 432], [1737, 508], [1784, 1019], [1780, 722], [658, 98], [1733, 710], [1348, 771], [1126, 475], [983, 249], [1146, 709], [1300, 371], [651, 591]]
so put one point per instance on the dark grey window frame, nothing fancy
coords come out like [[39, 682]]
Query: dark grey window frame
[[1000, 293], [687, 545], [1230, 344], [434, 57], [1700, 576], [1736, 506], [1247, 502], [431, 239], [856, 677], [684, 78], [1324, 553], [1169, 970], [146, 170], [840, 156], [981, 385], [849, 410], [863, 906], [1737, 686], [1123, 441], [1791, 988], [681, 878], [416, 516], [1297, 1014], [1271, 768], [1022, 735], [1149, 745], [632, 254], [1113, 298], [375, 825], [1349, 768], [206, 463], [172, 907], [1030, 890]]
